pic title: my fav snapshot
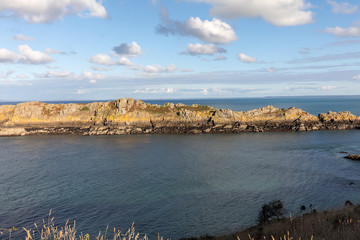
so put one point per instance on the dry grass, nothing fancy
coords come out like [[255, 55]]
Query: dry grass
[[341, 224], [48, 231]]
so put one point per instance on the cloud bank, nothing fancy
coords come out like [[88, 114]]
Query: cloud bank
[[214, 31], [106, 60], [246, 59], [26, 55], [199, 49], [342, 7], [45, 11], [352, 31], [131, 50], [277, 12]]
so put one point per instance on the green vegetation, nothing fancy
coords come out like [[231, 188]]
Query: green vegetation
[[166, 108], [270, 211], [340, 224], [157, 109], [199, 108], [85, 108], [46, 111]]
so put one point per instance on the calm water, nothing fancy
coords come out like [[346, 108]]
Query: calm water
[[175, 185]]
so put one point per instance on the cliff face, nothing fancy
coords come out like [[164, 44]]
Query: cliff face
[[129, 116]]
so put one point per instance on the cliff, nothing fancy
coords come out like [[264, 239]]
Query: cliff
[[129, 116]]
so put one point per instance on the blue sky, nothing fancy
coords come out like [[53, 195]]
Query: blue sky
[[168, 49]]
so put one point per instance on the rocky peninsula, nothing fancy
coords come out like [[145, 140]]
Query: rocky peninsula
[[129, 116]]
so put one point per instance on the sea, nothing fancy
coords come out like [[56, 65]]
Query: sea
[[179, 186]]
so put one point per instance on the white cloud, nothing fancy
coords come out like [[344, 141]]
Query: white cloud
[[54, 74], [6, 74], [277, 12], [85, 75], [7, 56], [81, 91], [30, 56], [21, 76], [204, 91], [187, 70], [343, 7], [247, 59], [98, 68], [124, 61], [106, 60], [131, 50], [155, 68], [220, 58], [155, 90], [52, 51], [21, 37], [199, 49], [92, 76], [214, 31], [270, 70], [102, 59], [26, 55], [357, 77], [92, 81], [44, 11], [344, 32], [59, 74], [326, 88]]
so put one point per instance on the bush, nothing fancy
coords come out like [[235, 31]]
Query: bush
[[270, 211]]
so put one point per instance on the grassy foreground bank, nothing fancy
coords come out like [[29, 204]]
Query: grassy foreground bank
[[339, 224]]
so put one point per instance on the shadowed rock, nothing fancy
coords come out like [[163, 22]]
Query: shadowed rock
[[355, 157]]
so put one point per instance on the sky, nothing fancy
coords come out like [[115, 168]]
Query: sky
[[177, 49]]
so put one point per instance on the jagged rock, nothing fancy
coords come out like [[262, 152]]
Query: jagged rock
[[129, 116], [169, 105], [355, 157], [340, 116]]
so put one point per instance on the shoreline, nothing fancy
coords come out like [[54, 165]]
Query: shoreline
[[334, 224], [129, 116]]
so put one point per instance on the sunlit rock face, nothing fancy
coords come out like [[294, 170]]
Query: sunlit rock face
[[129, 116]]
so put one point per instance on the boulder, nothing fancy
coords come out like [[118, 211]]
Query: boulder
[[355, 157]]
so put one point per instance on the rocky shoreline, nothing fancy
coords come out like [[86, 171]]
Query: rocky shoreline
[[129, 116]]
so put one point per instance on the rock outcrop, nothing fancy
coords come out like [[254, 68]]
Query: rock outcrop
[[355, 157], [129, 116]]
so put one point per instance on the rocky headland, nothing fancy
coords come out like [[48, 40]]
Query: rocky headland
[[129, 116]]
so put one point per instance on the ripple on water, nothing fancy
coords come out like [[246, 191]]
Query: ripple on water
[[175, 185]]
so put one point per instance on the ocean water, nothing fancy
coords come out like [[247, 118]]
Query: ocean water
[[313, 105], [175, 185]]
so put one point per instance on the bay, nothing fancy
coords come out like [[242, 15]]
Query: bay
[[179, 185], [175, 185]]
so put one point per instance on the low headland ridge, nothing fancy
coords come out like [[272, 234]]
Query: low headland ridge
[[129, 116]]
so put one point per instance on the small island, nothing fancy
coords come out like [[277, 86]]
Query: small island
[[129, 116]]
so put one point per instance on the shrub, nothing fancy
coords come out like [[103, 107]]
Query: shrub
[[85, 108], [272, 210]]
